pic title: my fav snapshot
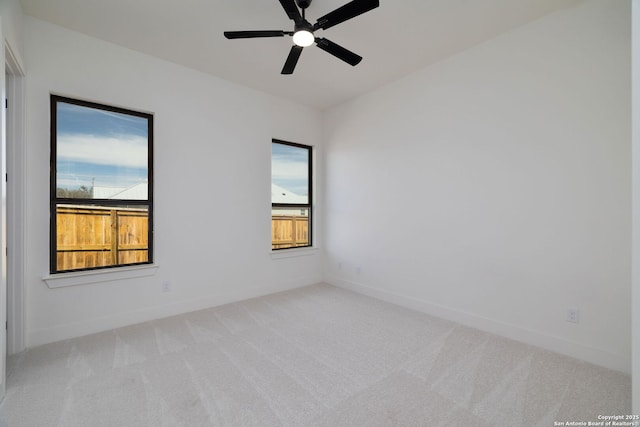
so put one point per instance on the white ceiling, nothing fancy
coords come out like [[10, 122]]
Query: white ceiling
[[395, 39]]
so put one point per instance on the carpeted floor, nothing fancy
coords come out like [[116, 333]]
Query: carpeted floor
[[316, 356]]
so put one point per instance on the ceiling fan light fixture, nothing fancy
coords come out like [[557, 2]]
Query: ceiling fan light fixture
[[303, 38]]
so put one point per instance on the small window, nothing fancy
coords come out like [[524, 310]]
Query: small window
[[290, 195], [101, 186]]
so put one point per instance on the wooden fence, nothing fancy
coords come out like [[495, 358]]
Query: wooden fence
[[90, 237], [96, 237], [289, 231]]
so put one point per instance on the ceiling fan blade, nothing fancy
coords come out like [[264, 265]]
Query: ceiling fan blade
[[253, 34], [338, 51], [292, 60], [346, 12], [290, 7]]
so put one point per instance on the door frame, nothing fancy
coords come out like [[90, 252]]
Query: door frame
[[16, 212]]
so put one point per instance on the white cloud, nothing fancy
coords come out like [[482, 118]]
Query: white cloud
[[288, 170], [127, 151]]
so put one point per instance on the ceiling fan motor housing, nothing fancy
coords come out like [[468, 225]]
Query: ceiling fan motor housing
[[304, 26], [303, 4]]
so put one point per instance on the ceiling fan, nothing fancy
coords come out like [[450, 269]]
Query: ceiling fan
[[303, 34]]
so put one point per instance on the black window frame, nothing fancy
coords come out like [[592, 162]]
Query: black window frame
[[309, 203], [55, 201]]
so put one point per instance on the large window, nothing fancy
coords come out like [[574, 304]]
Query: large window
[[101, 186], [290, 195]]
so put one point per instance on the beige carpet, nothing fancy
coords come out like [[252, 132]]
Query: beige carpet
[[316, 356]]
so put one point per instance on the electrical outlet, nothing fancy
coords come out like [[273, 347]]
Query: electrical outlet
[[166, 286], [572, 315]]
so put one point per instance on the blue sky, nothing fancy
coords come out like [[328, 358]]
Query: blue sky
[[289, 168], [100, 146]]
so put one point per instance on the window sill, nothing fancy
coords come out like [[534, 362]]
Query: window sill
[[62, 280], [291, 253]]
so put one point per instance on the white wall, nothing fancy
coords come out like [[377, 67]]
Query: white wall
[[635, 302], [212, 185], [11, 16], [494, 188]]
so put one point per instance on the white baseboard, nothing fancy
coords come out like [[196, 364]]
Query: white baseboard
[[552, 343], [77, 329]]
